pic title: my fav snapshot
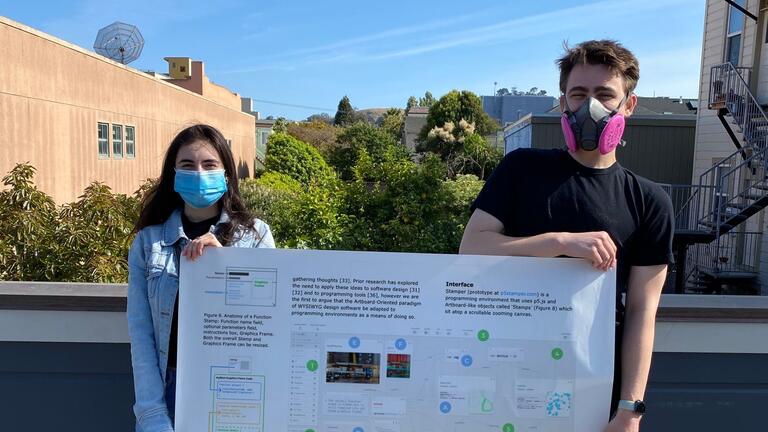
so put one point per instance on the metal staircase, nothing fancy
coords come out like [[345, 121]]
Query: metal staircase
[[713, 240]]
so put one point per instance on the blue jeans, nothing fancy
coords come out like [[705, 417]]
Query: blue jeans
[[170, 396]]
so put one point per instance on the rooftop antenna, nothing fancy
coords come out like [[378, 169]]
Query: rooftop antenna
[[120, 42]]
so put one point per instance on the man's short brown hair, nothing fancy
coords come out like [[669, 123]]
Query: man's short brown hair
[[601, 52]]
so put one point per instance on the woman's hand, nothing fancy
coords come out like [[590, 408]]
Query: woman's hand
[[195, 248]]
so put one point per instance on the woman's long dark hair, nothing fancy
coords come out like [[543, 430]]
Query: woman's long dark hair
[[161, 200]]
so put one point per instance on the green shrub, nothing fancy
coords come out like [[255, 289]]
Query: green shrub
[[297, 159]]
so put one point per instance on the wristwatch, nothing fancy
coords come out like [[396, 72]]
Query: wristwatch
[[637, 407]]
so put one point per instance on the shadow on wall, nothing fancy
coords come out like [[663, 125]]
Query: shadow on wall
[[242, 170]]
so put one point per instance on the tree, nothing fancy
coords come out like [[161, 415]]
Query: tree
[[475, 156], [95, 232], [454, 107], [297, 159], [300, 217], [412, 103], [455, 131], [83, 241], [27, 222], [345, 114], [534, 91], [363, 138], [393, 123], [319, 134], [322, 117], [400, 205], [365, 116], [280, 126], [427, 101]]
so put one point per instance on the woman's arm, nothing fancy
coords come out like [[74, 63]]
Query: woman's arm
[[264, 239], [150, 408]]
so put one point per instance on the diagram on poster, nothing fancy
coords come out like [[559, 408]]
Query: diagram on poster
[[311, 341]]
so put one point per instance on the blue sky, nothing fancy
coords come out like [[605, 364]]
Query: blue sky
[[380, 52]]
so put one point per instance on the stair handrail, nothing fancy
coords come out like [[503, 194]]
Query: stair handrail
[[727, 159], [733, 87], [729, 177], [759, 154], [731, 68]]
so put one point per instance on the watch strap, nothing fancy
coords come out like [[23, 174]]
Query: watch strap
[[633, 406]]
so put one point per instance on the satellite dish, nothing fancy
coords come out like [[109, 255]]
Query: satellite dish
[[120, 42]]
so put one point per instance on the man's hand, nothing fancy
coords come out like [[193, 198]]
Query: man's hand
[[484, 235], [194, 249], [625, 421], [597, 247]]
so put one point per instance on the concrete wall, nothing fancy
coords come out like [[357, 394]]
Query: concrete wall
[[53, 94], [67, 360]]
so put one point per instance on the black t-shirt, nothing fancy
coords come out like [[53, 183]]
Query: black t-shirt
[[192, 230], [539, 191]]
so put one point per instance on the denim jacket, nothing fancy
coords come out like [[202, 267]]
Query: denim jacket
[[153, 282]]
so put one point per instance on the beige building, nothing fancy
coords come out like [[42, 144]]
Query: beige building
[[729, 189], [79, 117]]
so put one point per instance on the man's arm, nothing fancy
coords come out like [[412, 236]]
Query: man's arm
[[643, 294], [483, 236]]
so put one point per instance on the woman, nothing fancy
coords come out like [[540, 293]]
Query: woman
[[196, 204]]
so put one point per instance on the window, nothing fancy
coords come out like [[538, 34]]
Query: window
[[262, 136], [103, 141], [117, 141], [130, 142], [733, 37]]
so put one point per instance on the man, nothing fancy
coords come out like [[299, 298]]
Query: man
[[581, 203]]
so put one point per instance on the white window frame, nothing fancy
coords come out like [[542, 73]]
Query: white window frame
[[132, 154], [101, 140], [116, 142], [730, 36]]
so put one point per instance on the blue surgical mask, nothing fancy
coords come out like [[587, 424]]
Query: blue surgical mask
[[200, 189]]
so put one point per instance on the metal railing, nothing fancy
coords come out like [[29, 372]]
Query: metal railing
[[688, 202], [732, 190], [730, 87], [734, 252], [741, 186]]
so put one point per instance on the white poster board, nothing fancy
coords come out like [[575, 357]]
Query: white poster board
[[328, 341]]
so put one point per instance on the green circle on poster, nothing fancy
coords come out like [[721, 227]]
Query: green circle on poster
[[557, 354], [309, 430], [483, 335], [509, 427], [312, 365]]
